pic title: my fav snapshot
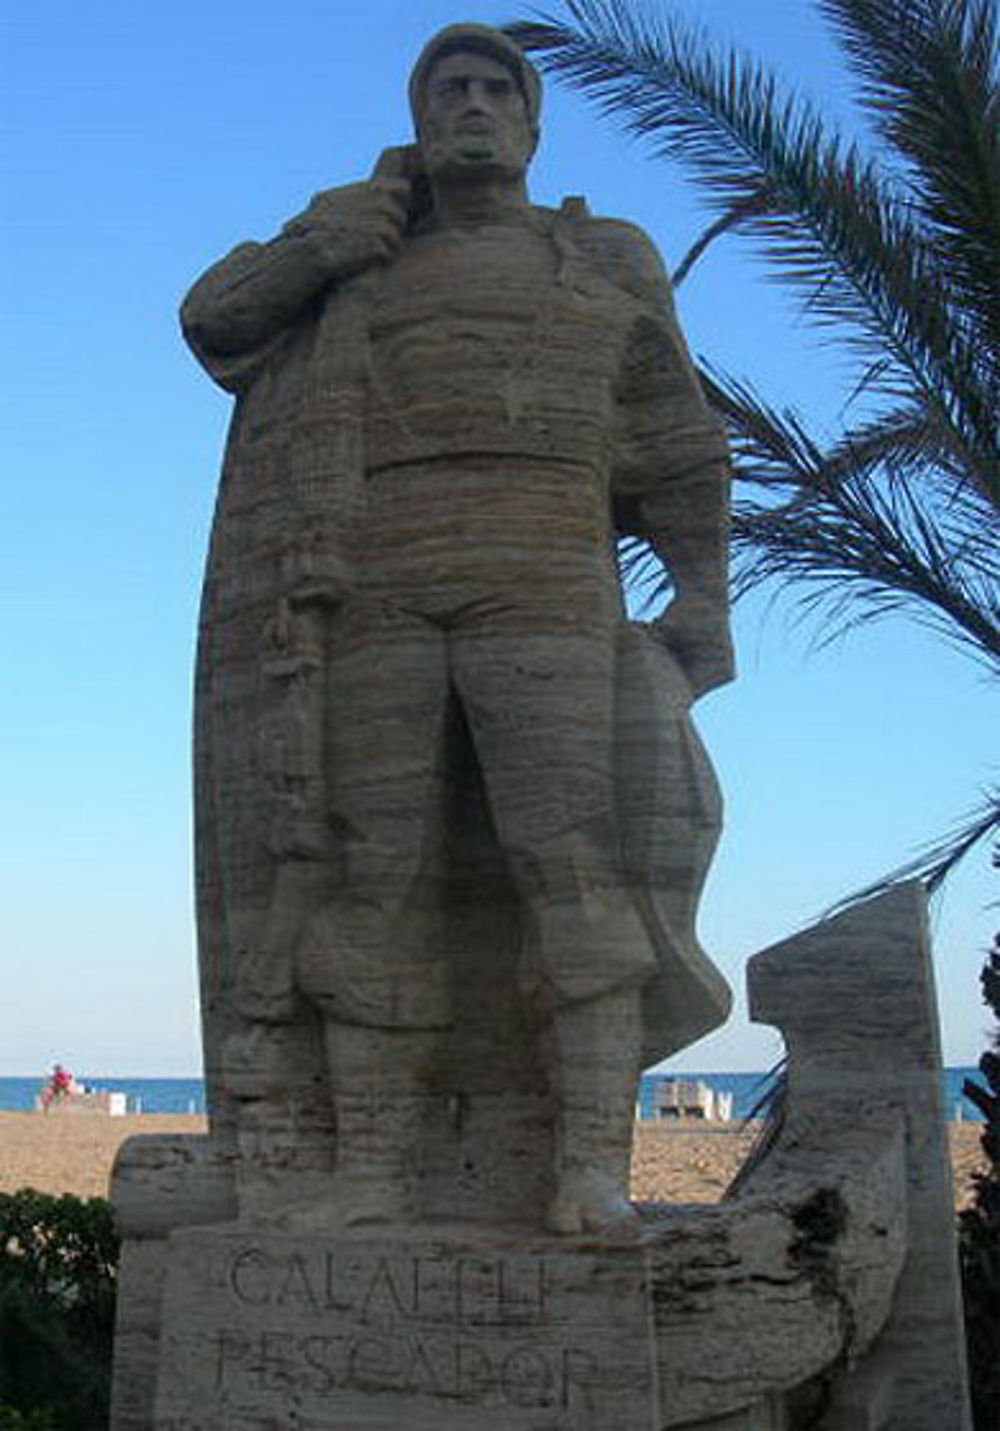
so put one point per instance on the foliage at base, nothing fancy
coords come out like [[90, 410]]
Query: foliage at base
[[58, 1257], [13, 1420], [979, 1230]]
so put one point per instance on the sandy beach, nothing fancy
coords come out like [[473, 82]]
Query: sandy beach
[[73, 1152]]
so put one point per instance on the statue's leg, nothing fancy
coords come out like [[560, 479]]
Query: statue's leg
[[540, 705], [371, 956], [594, 1069], [370, 961], [380, 1111]]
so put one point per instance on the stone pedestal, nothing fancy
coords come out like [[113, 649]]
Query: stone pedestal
[[820, 1296], [451, 1334]]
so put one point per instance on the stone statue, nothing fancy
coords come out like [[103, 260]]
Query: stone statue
[[452, 818], [452, 826]]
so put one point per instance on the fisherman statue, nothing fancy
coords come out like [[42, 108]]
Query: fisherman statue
[[450, 404]]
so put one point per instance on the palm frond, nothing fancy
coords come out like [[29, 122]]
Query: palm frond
[[865, 535], [860, 551], [861, 532], [770, 1109], [933, 864], [910, 438], [643, 575], [930, 72], [824, 216], [731, 219]]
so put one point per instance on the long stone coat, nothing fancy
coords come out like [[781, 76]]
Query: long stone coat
[[291, 495]]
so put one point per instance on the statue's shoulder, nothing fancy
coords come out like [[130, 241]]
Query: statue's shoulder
[[621, 252]]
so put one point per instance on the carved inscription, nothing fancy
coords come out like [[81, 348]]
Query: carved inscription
[[452, 1328], [528, 1375], [449, 1289], [316, 1334]]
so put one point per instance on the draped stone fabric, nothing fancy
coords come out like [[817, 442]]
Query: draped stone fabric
[[396, 431]]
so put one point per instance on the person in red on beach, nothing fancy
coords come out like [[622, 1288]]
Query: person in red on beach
[[59, 1086]]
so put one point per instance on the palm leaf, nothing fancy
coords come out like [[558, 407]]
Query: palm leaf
[[825, 217], [860, 531], [929, 71], [933, 864], [862, 538]]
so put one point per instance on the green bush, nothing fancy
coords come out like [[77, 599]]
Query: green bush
[[979, 1228], [58, 1257], [13, 1420]]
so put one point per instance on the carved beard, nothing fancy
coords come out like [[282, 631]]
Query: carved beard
[[497, 154]]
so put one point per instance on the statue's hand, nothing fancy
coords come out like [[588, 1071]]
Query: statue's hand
[[314, 573], [356, 226], [695, 630]]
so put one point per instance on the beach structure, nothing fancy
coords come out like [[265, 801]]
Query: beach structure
[[453, 822], [86, 1100], [684, 1098]]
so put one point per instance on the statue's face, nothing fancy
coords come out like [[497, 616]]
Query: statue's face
[[474, 118]]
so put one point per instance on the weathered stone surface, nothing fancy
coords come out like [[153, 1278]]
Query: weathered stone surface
[[158, 1184], [854, 998], [788, 1280], [138, 1323], [782, 1306], [428, 1335], [162, 1183], [452, 817]]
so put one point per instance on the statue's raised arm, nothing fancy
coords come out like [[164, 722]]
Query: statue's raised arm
[[245, 301]]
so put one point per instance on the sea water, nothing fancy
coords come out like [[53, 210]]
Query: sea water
[[187, 1095], [142, 1095]]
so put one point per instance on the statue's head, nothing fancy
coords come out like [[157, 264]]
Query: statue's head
[[475, 100]]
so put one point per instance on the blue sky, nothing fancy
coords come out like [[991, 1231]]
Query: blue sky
[[142, 140]]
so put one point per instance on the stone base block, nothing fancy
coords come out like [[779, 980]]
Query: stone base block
[[270, 1332]]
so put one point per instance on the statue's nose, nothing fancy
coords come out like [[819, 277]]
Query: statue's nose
[[477, 99]]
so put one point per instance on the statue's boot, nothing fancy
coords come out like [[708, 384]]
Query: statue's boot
[[594, 1072], [375, 1076]]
